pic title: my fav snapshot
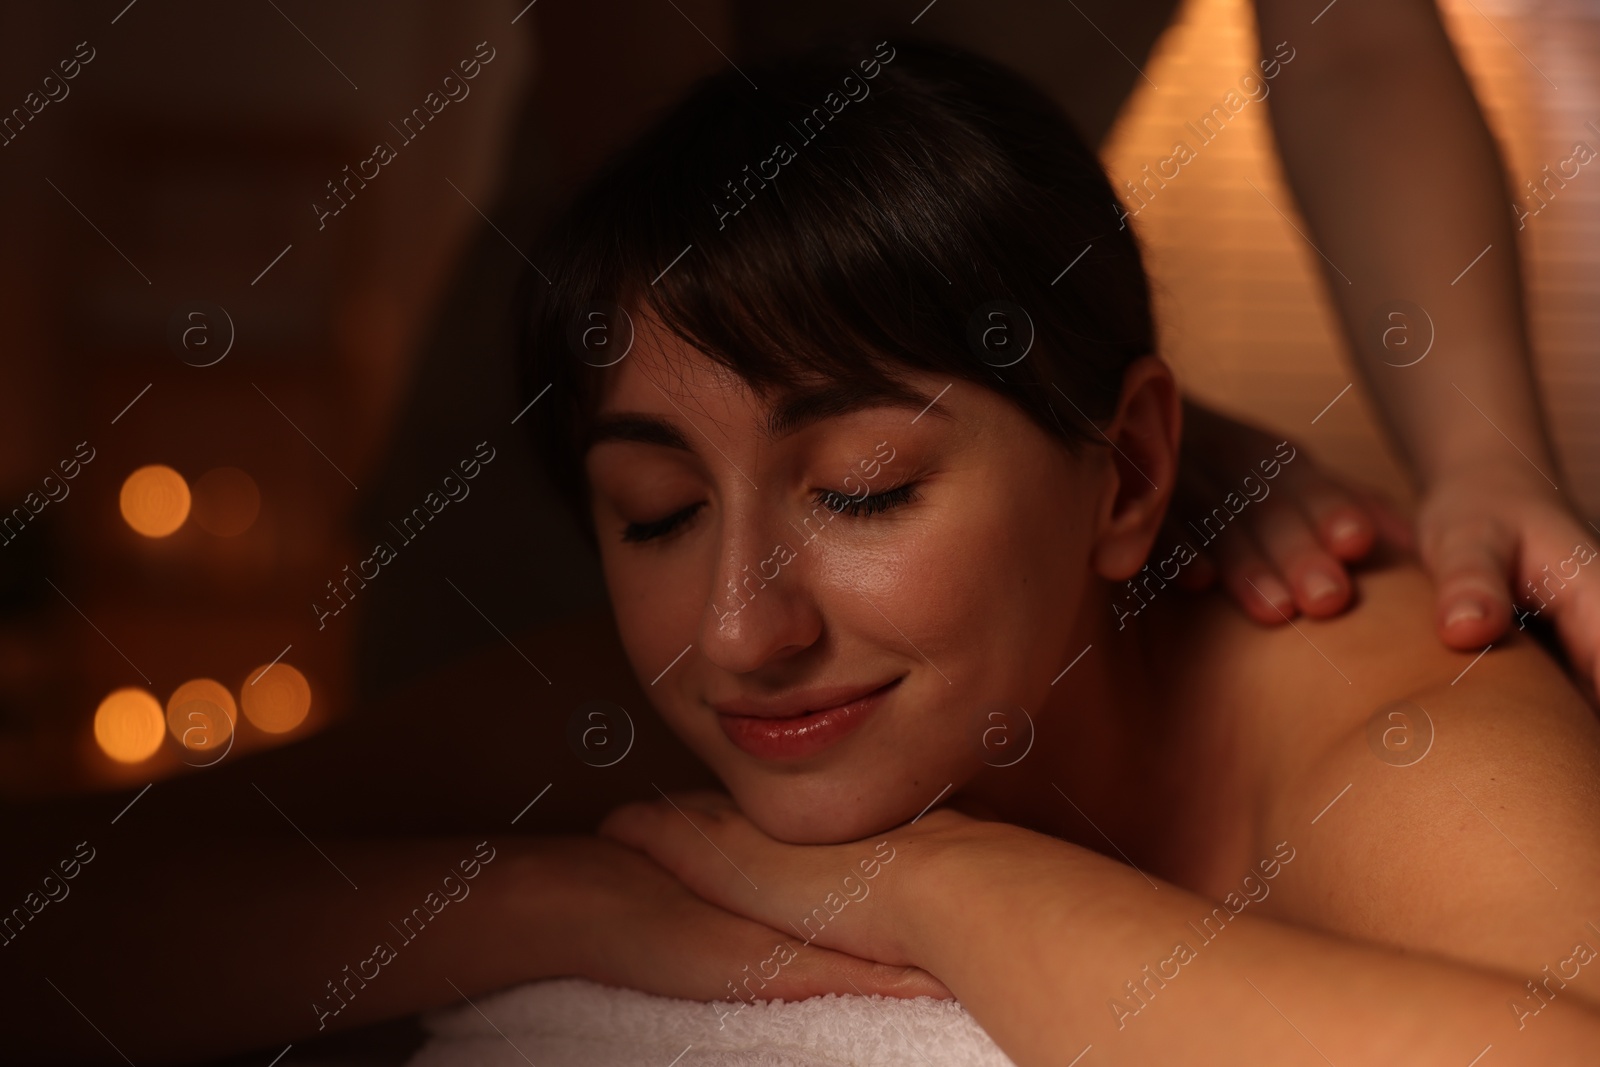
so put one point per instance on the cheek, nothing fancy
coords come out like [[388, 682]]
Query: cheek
[[658, 598], [987, 590], [979, 601]]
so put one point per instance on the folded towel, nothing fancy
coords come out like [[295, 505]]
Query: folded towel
[[572, 1022]]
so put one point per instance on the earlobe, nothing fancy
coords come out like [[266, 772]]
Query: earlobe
[[1142, 471]]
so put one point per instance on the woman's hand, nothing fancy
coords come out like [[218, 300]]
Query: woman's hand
[[646, 930], [839, 896]]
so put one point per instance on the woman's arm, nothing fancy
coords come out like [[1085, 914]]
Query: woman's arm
[[1414, 889], [231, 945], [240, 944], [219, 904], [1055, 949], [1153, 973]]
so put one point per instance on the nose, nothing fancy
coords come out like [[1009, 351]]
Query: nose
[[762, 607]]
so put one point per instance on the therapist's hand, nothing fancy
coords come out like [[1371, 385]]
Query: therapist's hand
[[1496, 535], [1502, 546], [1268, 524]]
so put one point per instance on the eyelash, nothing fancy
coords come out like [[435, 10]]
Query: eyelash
[[639, 532], [845, 504], [835, 501]]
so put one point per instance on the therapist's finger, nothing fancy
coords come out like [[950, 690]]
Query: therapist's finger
[[1318, 580], [1250, 578], [1574, 606], [1471, 567], [1391, 525], [1343, 524]]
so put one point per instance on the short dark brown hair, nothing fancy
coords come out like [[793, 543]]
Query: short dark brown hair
[[937, 213]]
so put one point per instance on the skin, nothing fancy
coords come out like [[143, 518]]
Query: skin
[[1256, 728], [855, 606], [1164, 769], [1478, 523], [1374, 97]]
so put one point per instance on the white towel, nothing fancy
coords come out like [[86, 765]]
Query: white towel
[[572, 1022]]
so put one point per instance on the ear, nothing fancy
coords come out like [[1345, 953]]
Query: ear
[[1144, 437]]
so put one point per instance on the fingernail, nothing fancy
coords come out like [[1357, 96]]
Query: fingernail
[[1466, 611], [1345, 529], [1276, 592], [1318, 585]]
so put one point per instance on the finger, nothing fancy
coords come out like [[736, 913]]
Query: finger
[[1575, 609], [912, 982], [1342, 523], [888, 980], [628, 824], [635, 823], [1251, 580], [1320, 585], [710, 801], [1393, 527], [812, 971], [715, 851], [1471, 567]]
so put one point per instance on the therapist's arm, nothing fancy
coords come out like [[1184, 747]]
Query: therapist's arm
[[1401, 186]]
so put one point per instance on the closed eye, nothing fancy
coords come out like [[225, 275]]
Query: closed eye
[[835, 501], [636, 532], [862, 507]]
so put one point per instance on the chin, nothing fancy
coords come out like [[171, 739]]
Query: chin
[[784, 821], [826, 809]]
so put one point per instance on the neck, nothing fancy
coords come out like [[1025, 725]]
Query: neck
[[1096, 738]]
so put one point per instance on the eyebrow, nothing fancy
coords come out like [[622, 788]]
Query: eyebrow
[[793, 413]]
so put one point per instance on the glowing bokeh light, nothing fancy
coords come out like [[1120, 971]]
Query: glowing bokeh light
[[276, 698], [226, 501], [155, 500], [128, 725], [200, 714]]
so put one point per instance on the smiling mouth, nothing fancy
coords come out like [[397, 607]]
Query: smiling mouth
[[793, 737]]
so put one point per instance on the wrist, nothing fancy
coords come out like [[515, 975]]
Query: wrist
[[550, 899], [1503, 471], [1481, 441], [946, 883]]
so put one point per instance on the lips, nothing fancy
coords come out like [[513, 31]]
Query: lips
[[800, 724]]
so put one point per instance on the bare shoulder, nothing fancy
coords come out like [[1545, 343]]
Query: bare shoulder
[[1436, 801]]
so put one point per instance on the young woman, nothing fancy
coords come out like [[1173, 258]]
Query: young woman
[[851, 380], [851, 377]]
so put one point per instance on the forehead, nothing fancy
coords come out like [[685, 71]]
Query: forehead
[[661, 367], [664, 381]]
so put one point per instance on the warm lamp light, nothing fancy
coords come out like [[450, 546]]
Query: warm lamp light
[[276, 698], [128, 725], [155, 500], [200, 714]]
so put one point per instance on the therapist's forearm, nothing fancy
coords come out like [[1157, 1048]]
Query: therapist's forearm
[[1262, 992], [1402, 187]]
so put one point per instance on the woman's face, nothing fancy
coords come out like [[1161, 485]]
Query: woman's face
[[931, 551]]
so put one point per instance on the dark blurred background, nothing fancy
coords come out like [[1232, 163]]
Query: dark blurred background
[[161, 216], [172, 298]]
